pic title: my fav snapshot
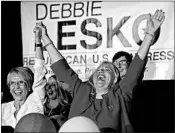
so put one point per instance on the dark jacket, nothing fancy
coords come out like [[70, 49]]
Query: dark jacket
[[115, 105]]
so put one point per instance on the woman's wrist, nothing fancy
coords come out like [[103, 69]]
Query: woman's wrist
[[40, 45], [46, 39], [150, 34], [149, 37], [37, 40]]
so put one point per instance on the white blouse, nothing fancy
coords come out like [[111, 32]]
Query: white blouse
[[34, 102]]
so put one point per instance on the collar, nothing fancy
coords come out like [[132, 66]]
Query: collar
[[18, 104], [99, 95]]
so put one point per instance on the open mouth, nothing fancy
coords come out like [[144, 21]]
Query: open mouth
[[101, 77], [50, 92], [18, 92]]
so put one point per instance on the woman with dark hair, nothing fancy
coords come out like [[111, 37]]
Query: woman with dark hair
[[57, 103]]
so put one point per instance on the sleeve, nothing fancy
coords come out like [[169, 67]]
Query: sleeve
[[39, 79], [133, 76], [2, 114], [64, 73], [7, 110]]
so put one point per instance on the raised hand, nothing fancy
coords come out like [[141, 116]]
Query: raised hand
[[42, 27], [38, 33], [155, 21]]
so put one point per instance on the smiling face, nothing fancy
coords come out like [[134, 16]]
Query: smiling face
[[52, 88], [18, 87], [103, 77], [122, 65]]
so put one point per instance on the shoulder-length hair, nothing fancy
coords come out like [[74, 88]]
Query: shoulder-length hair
[[64, 96]]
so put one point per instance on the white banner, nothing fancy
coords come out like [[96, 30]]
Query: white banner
[[84, 33]]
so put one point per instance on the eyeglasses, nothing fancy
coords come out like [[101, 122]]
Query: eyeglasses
[[19, 83], [121, 63]]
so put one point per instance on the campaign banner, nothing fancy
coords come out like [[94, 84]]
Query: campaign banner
[[88, 33]]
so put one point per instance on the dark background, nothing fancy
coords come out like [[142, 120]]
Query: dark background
[[153, 105]]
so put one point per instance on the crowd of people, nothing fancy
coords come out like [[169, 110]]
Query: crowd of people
[[105, 98]]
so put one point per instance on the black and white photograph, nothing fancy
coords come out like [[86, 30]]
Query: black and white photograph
[[87, 66]]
